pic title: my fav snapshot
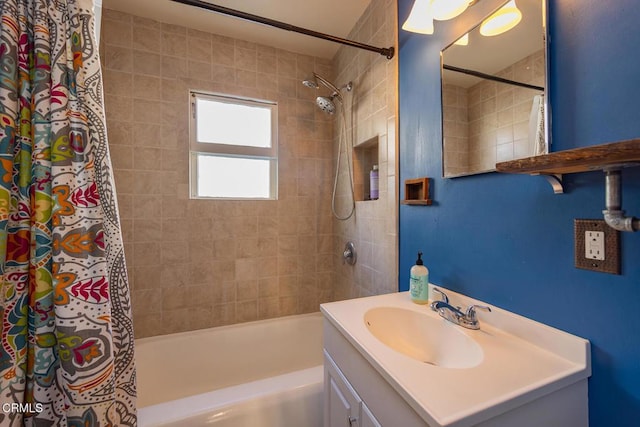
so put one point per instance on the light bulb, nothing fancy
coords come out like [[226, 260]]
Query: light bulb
[[448, 9], [420, 19], [507, 17]]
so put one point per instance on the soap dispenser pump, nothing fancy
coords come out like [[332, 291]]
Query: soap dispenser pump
[[419, 282]]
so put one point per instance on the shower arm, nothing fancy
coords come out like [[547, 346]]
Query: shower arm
[[388, 52], [327, 83]]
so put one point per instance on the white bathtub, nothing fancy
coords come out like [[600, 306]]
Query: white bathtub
[[259, 374]]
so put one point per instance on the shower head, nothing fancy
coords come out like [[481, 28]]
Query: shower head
[[326, 104], [311, 82]]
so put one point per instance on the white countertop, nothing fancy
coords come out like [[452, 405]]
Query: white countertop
[[523, 360]]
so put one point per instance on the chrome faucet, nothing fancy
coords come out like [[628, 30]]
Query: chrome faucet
[[453, 314], [445, 298]]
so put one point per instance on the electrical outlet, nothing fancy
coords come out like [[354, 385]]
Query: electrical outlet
[[594, 245], [597, 246]]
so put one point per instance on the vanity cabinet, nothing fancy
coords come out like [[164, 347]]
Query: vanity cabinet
[[368, 384]]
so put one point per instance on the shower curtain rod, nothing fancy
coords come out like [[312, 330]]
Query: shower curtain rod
[[387, 52], [490, 77]]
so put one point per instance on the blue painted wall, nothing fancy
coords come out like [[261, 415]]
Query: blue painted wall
[[507, 239]]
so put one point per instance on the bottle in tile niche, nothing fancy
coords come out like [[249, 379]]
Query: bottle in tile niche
[[373, 183], [419, 282]]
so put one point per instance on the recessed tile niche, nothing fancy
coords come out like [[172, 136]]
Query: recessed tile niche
[[365, 155]]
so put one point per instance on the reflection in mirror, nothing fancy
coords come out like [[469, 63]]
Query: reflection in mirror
[[493, 103]]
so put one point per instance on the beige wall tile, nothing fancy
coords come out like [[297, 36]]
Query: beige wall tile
[[223, 54], [245, 59], [117, 32], [147, 87], [151, 24], [268, 267], [146, 39], [247, 311], [121, 156], [118, 108], [146, 63], [225, 292], [223, 74], [288, 305], [247, 290], [174, 44], [268, 287], [172, 67], [199, 47], [224, 314], [118, 58], [147, 111], [246, 269], [268, 307], [174, 321]]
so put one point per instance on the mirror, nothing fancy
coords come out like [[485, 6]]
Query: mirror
[[493, 103]]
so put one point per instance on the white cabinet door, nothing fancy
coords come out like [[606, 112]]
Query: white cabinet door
[[340, 410], [367, 419], [341, 403]]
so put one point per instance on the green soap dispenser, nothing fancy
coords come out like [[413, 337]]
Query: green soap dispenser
[[419, 282]]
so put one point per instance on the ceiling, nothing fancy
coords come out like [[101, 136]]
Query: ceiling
[[334, 17]]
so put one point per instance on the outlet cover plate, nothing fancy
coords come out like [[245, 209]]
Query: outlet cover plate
[[611, 262]]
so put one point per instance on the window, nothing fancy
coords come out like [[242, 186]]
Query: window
[[233, 143]]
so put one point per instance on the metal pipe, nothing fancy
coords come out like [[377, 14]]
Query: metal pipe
[[490, 77], [388, 52], [612, 196], [613, 214]]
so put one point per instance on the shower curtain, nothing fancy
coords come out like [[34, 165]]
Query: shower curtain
[[66, 355]]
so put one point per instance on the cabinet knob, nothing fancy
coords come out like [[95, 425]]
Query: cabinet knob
[[353, 421]]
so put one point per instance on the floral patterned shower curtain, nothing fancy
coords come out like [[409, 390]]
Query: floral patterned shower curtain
[[66, 355]]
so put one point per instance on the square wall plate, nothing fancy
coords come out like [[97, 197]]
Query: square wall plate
[[611, 261]]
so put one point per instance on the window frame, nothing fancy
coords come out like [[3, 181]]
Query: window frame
[[197, 148]]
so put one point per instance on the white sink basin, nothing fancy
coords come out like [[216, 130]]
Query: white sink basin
[[423, 337]]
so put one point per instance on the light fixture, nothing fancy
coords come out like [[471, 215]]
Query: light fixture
[[448, 9], [507, 17], [463, 41], [420, 19]]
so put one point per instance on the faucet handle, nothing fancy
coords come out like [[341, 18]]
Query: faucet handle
[[445, 298], [471, 311]]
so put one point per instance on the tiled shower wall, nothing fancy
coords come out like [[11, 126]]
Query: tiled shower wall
[[489, 121], [499, 114], [370, 121], [455, 129], [201, 263]]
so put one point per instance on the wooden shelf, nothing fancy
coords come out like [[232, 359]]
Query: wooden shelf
[[416, 192], [427, 202], [596, 157]]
